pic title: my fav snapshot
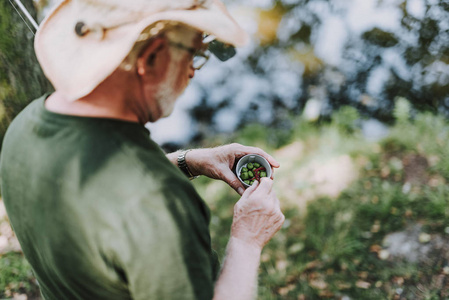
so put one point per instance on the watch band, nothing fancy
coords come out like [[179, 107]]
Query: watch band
[[182, 164]]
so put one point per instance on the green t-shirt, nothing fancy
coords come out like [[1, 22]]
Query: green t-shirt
[[101, 213]]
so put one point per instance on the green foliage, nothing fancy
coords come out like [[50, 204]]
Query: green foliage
[[331, 250], [259, 134], [16, 276], [21, 79], [427, 135], [345, 118], [380, 38], [402, 110], [252, 134]]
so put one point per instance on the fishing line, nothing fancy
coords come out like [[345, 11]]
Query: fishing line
[[26, 14]]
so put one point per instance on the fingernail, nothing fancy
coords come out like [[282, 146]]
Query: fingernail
[[240, 190]]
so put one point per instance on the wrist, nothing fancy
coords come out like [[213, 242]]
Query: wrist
[[242, 246], [184, 165], [194, 160]]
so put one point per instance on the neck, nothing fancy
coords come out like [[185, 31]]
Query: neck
[[112, 99]]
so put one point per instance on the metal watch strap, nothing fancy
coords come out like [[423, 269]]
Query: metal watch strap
[[182, 164]]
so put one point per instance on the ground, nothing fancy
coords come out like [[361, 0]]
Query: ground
[[364, 219]]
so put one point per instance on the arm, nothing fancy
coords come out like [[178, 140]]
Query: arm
[[217, 163], [238, 277], [257, 217]]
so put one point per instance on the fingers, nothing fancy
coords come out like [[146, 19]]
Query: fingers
[[230, 178], [266, 192], [254, 150], [262, 188], [280, 221], [265, 186], [252, 188], [232, 151], [268, 157]]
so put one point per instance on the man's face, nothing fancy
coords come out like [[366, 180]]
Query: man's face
[[180, 68]]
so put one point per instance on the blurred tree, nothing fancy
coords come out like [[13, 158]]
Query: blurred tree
[[325, 51], [21, 78], [419, 72], [372, 64]]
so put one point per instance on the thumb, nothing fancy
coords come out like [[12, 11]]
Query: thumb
[[252, 188], [230, 178]]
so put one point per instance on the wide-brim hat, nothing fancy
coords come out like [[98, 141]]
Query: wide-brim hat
[[81, 42]]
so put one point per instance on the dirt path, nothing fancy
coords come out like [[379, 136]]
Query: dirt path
[[302, 180]]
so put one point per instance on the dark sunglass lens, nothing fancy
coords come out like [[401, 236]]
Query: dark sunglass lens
[[222, 51]]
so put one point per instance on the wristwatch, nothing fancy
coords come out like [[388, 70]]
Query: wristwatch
[[182, 164]]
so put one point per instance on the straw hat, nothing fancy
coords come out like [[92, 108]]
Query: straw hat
[[81, 42]]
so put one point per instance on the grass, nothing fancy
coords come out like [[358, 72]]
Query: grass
[[333, 246], [16, 276], [334, 249]]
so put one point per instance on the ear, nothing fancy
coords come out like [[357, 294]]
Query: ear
[[146, 59]]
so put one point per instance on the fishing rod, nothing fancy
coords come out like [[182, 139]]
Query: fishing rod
[[27, 15]]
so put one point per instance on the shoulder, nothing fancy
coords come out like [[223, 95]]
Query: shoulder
[[17, 133], [26, 114]]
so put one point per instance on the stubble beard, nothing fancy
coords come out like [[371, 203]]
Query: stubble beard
[[169, 91]]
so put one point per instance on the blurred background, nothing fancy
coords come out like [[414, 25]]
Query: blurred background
[[352, 97]]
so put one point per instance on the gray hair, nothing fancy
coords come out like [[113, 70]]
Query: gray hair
[[159, 29]]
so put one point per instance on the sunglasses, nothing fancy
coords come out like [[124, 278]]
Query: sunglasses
[[210, 46]]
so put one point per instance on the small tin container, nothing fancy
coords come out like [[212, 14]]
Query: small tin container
[[252, 158]]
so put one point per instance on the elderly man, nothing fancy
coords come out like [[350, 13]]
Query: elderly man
[[99, 210]]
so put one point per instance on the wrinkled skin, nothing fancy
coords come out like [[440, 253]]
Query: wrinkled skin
[[257, 215], [217, 163]]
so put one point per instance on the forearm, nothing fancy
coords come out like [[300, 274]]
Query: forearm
[[196, 160], [173, 157], [238, 277]]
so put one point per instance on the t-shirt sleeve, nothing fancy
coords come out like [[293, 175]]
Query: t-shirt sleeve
[[168, 251]]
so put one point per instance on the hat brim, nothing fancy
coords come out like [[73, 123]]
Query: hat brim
[[76, 65]]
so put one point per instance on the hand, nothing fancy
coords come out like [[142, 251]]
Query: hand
[[217, 162], [257, 215]]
